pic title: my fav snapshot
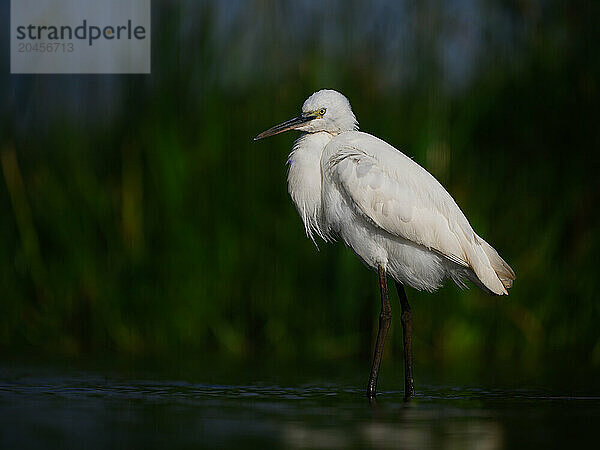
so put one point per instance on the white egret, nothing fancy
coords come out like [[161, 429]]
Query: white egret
[[395, 216]]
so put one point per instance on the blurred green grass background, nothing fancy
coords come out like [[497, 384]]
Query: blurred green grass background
[[139, 218]]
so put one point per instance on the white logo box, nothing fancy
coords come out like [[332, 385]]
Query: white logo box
[[80, 36]]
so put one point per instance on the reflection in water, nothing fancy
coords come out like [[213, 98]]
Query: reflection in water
[[73, 409], [455, 434]]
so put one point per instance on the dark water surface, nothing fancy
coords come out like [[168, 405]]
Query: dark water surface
[[42, 407]]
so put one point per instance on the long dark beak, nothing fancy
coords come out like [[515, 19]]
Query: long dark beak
[[285, 126]]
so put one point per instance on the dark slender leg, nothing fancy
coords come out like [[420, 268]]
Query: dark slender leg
[[385, 318], [409, 382]]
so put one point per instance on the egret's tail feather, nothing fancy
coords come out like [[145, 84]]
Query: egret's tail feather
[[502, 269], [491, 270]]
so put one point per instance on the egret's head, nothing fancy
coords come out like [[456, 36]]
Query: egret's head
[[325, 110]]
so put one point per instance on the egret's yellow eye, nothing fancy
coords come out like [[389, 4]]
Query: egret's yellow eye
[[322, 111]]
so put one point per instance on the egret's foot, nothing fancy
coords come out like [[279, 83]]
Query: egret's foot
[[371, 391], [373, 402]]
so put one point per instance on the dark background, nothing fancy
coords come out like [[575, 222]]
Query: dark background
[[139, 219]]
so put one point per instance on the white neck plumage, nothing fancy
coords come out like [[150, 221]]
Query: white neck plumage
[[304, 180]]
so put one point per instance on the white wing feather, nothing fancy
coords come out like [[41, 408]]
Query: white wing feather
[[396, 194]]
